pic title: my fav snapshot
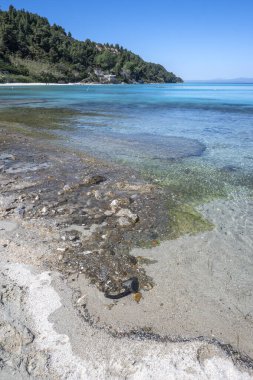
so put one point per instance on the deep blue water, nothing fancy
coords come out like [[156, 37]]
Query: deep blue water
[[135, 123]]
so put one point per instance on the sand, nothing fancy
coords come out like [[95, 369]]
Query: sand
[[44, 336], [36, 84], [203, 283], [195, 323]]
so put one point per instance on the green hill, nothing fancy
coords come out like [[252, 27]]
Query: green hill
[[32, 50]]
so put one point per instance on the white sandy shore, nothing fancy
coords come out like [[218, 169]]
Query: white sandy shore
[[66, 348], [44, 337], [55, 326], [37, 84], [53, 84]]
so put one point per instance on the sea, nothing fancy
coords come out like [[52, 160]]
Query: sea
[[195, 140], [193, 135]]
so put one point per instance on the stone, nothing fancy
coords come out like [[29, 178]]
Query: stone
[[137, 297], [114, 205], [21, 211], [126, 213], [73, 237], [97, 194], [124, 222], [6, 203], [61, 249], [6, 157], [86, 253], [66, 188], [81, 301], [60, 209], [134, 197], [120, 202], [108, 213], [93, 180]]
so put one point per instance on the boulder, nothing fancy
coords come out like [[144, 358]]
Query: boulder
[[126, 217]]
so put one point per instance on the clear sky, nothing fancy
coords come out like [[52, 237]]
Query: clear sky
[[196, 39]]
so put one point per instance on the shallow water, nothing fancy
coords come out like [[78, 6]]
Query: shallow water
[[197, 134], [198, 141]]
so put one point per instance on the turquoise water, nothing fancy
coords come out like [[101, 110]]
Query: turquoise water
[[204, 127], [121, 116]]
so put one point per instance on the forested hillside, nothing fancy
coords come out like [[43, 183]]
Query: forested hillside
[[32, 50]]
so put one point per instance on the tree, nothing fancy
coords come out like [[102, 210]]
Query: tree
[[26, 37]]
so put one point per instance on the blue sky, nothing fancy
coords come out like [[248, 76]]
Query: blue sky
[[197, 39]]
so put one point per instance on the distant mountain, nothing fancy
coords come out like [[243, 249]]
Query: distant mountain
[[32, 50], [236, 80]]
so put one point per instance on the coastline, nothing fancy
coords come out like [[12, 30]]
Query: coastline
[[37, 84], [33, 251], [78, 84]]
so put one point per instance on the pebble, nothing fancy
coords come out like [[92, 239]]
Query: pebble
[[108, 213], [126, 213], [66, 188], [73, 237], [97, 194], [93, 180], [61, 249], [20, 211], [137, 297], [81, 301], [124, 222], [86, 253], [6, 157], [114, 205]]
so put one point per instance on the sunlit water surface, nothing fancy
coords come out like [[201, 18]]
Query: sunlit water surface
[[199, 136]]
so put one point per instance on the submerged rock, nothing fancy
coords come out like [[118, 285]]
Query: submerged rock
[[7, 157], [126, 213], [26, 167], [67, 188], [94, 226], [120, 202], [44, 210], [93, 180], [124, 222]]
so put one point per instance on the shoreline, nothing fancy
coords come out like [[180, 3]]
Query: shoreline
[[37, 84], [81, 84], [32, 254]]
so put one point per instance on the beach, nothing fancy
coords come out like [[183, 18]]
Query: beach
[[56, 322], [126, 191]]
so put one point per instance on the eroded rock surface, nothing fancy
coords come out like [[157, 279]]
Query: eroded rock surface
[[94, 208]]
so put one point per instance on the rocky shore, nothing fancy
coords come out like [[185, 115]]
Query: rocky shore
[[68, 226], [98, 211]]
